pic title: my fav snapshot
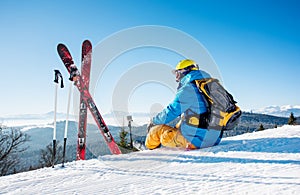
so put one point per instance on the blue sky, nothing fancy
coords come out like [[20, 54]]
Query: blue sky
[[256, 45]]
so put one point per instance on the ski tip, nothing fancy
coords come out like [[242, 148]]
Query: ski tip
[[59, 46], [86, 48], [87, 42], [87, 45]]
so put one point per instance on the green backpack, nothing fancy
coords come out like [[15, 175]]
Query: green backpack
[[223, 113]]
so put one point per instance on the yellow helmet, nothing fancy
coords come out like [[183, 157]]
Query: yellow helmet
[[187, 63]]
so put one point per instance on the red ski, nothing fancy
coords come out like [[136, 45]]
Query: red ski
[[87, 98], [86, 59]]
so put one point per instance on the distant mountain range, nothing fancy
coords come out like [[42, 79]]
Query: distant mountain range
[[250, 122], [23, 120], [282, 111], [119, 118]]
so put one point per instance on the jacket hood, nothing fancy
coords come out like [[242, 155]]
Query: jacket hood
[[194, 75]]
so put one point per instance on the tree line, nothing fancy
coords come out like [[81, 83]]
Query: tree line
[[291, 121]]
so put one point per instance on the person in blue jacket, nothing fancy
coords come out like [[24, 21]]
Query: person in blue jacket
[[191, 132]]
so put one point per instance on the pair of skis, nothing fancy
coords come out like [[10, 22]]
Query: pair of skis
[[86, 100]]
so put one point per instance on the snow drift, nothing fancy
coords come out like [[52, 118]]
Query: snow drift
[[266, 162]]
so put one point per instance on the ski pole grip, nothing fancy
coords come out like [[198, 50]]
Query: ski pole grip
[[56, 72], [57, 76], [62, 82]]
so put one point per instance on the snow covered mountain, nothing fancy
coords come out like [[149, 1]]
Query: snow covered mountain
[[265, 162], [283, 111]]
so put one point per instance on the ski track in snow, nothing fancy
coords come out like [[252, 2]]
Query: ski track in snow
[[266, 162]]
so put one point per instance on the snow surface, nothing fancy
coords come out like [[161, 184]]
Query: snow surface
[[266, 162]]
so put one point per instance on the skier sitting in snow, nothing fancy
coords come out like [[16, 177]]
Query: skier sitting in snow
[[190, 132]]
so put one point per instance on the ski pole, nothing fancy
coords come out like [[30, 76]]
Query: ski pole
[[67, 122], [56, 81]]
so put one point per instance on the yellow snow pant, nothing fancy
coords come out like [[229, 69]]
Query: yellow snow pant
[[166, 136]]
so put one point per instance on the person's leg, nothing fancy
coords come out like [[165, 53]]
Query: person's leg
[[166, 136], [153, 137]]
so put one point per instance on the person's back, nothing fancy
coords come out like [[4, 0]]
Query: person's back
[[190, 105]]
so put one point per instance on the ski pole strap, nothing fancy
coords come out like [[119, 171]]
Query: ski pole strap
[[58, 76]]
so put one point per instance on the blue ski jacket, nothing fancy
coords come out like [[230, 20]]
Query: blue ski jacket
[[188, 100]]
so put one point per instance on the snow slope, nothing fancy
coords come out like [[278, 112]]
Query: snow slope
[[266, 162]]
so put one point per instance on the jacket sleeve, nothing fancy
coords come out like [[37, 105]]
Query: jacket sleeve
[[183, 100]]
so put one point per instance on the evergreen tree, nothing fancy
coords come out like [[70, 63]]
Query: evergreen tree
[[261, 127], [124, 145], [123, 138], [292, 120]]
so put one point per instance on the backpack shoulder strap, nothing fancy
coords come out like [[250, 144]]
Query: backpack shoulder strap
[[203, 86]]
